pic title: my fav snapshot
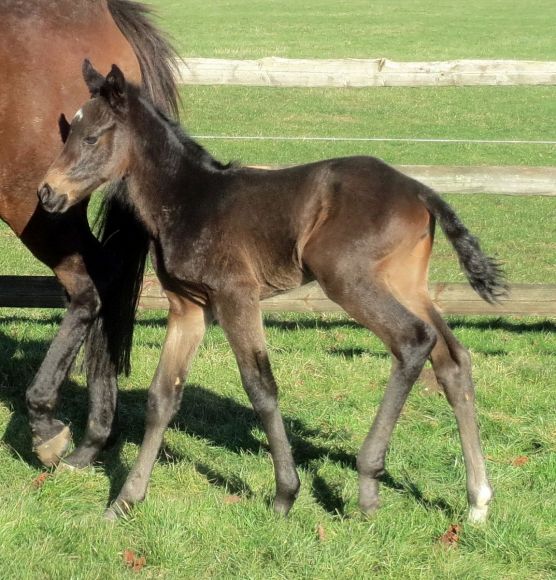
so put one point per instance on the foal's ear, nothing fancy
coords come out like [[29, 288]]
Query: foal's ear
[[93, 79], [114, 89], [64, 127]]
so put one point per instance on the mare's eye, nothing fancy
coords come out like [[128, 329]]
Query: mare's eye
[[90, 140]]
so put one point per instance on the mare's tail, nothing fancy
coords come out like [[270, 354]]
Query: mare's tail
[[123, 237], [483, 272]]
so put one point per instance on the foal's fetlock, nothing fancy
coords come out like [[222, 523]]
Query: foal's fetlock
[[52, 450], [285, 498], [368, 495], [76, 460], [283, 504], [478, 506]]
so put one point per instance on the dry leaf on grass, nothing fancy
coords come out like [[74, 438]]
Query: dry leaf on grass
[[38, 482], [321, 534], [520, 460], [131, 560], [231, 499], [451, 537]]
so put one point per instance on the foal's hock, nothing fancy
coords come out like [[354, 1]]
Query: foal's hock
[[226, 236]]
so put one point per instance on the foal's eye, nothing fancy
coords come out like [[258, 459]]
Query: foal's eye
[[90, 140]]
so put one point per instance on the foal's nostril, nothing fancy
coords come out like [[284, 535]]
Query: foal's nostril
[[45, 193]]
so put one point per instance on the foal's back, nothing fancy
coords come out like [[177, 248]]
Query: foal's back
[[276, 227]]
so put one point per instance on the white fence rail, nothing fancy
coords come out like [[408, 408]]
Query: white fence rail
[[352, 72]]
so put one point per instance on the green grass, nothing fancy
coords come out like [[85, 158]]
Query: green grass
[[331, 374], [398, 29], [499, 113]]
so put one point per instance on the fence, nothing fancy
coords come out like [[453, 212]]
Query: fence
[[526, 299]]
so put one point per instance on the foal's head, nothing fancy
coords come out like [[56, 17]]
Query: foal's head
[[96, 143]]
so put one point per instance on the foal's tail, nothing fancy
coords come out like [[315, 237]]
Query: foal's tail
[[123, 237], [483, 272]]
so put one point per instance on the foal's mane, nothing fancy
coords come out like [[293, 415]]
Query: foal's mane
[[193, 150]]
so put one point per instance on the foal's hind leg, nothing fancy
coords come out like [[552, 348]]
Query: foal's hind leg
[[240, 318], [410, 340], [452, 366], [186, 328], [407, 276]]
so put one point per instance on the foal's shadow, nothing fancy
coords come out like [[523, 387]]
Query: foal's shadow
[[225, 423]]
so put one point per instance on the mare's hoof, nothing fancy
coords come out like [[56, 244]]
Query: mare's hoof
[[50, 452], [64, 466]]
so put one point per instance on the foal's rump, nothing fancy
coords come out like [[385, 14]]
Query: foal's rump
[[365, 214], [369, 215]]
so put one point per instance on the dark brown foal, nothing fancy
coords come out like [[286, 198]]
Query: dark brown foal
[[226, 237]]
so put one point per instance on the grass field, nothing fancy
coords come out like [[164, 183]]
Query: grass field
[[397, 29], [207, 512], [207, 515]]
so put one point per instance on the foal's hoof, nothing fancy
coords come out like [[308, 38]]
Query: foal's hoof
[[119, 509], [282, 506], [478, 515], [51, 451], [369, 508]]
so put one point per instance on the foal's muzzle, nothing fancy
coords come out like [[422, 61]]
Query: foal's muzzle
[[50, 200]]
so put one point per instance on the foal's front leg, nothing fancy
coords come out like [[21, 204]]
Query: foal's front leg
[[186, 328], [240, 318]]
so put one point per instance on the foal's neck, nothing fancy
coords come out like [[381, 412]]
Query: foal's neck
[[168, 168]]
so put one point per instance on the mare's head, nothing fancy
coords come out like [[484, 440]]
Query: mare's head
[[96, 143]]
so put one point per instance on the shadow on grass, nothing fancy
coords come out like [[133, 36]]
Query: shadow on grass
[[204, 414]]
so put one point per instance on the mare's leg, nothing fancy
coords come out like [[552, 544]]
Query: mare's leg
[[186, 328], [50, 436], [102, 386], [66, 244], [240, 317], [452, 365]]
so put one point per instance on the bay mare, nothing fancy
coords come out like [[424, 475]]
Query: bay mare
[[227, 236], [42, 46]]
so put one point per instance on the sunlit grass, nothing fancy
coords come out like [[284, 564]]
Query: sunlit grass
[[331, 375]]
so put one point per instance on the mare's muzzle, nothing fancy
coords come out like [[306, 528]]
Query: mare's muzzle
[[51, 201]]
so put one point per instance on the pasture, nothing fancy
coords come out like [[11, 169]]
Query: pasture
[[207, 514]]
